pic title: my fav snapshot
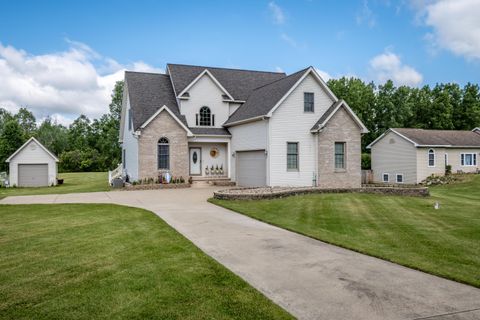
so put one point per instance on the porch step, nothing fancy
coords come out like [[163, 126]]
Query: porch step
[[211, 181]]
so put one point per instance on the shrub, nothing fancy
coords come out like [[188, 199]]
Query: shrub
[[366, 161], [448, 169]]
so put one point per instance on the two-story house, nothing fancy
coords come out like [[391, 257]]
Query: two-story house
[[256, 128]]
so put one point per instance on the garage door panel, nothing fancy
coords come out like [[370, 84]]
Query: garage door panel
[[251, 168], [32, 175]]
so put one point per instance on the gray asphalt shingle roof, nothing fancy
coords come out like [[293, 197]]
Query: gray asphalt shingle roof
[[239, 83], [327, 114], [454, 138], [148, 92], [210, 131], [264, 98]]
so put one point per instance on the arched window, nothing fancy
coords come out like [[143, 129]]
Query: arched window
[[163, 154], [205, 116], [431, 158]]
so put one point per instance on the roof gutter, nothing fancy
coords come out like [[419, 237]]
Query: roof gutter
[[258, 118]]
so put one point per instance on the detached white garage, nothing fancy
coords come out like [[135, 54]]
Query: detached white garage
[[32, 165]]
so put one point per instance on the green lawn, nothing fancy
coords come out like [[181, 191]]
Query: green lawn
[[112, 262], [405, 230], [73, 182]]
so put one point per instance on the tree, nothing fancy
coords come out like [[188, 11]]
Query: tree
[[27, 122], [116, 104], [467, 116], [11, 138], [53, 136], [80, 133]]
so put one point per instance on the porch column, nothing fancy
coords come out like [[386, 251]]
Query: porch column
[[229, 156]]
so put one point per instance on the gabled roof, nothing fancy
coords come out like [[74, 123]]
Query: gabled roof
[[332, 110], [238, 83], [174, 116], [264, 98], [435, 138], [148, 92], [32, 139]]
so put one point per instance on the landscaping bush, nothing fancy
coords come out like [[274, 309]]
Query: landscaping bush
[[366, 161]]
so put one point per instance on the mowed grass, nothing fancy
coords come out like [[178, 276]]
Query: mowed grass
[[77, 261], [405, 230], [73, 182]]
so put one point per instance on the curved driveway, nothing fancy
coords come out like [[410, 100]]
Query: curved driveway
[[309, 278]]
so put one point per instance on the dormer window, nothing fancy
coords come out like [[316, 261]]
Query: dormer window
[[205, 118]]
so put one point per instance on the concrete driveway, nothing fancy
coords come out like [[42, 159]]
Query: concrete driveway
[[309, 278]]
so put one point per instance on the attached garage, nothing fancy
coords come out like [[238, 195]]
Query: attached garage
[[251, 168], [32, 165]]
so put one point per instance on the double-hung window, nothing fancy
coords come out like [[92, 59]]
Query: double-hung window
[[308, 102], [292, 155], [468, 159], [339, 155]]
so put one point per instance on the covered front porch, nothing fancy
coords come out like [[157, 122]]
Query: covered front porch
[[209, 158]]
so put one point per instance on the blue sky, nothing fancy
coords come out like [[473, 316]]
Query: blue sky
[[86, 45]]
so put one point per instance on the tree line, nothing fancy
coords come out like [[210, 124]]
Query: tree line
[[88, 145], [85, 145], [444, 106]]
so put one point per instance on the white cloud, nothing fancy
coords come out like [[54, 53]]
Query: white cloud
[[325, 75], [365, 15], [388, 65], [285, 37], [455, 24], [277, 13], [64, 84]]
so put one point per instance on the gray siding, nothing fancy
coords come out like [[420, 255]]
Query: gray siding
[[392, 154]]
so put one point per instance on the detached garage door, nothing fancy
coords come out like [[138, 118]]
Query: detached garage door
[[32, 175], [251, 167]]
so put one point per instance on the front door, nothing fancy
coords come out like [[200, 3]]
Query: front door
[[195, 161]]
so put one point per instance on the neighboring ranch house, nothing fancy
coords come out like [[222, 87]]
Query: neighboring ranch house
[[32, 165], [253, 127], [403, 155]]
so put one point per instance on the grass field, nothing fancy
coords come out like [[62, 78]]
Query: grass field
[[73, 182], [405, 230], [111, 262]]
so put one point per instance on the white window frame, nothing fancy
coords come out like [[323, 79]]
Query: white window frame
[[463, 158], [397, 175], [434, 158], [383, 177], [297, 156]]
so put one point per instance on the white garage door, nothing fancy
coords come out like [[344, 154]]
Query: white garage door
[[251, 168], [32, 175]]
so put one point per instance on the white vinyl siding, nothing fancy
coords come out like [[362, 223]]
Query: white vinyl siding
[[32, 154], [393, 154], [248, 136], [290, 123], [205, 93], [130, 146]]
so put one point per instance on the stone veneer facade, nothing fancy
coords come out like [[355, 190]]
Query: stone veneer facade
[[164, 125], [340, 128]]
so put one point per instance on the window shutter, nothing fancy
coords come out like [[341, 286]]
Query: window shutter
[[462, 156], [196, 119], [213, 120]]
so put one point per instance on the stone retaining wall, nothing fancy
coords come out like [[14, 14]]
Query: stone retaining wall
[[155, 186], [272, 193]]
